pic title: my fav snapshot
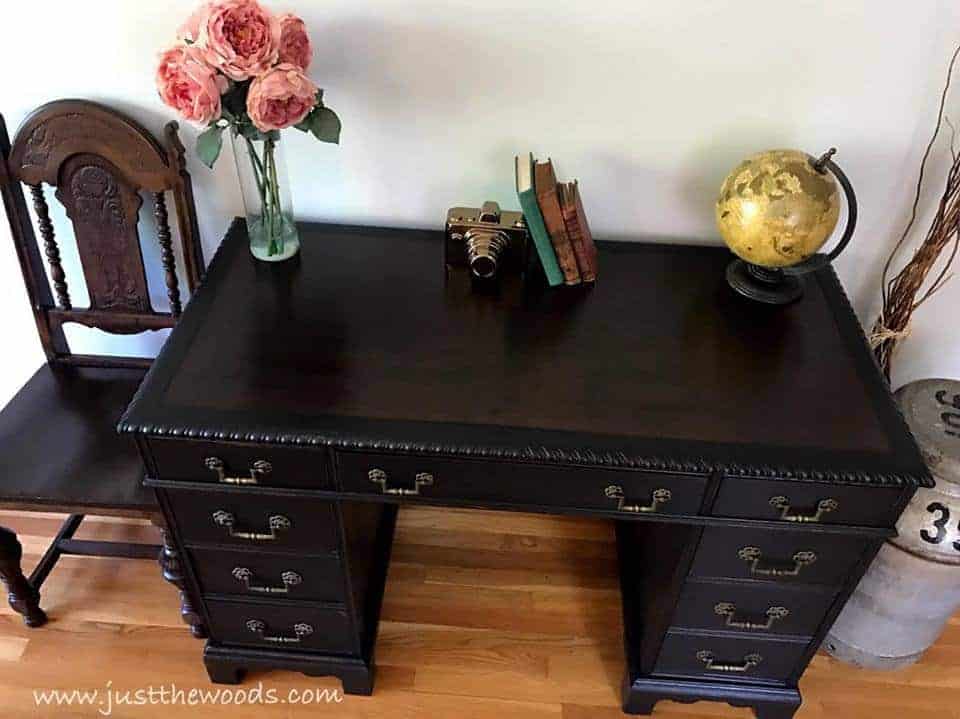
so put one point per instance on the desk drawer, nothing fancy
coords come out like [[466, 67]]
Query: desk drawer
[[296, 627], [629, 491], [757, 608], [694, 654], [266, 521], [800, 557], [234, 463], [807, 502], [256, 574]]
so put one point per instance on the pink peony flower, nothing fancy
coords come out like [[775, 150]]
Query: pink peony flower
[[190, 30], [280, 98], [239, 37], [294, 41], [189, 85]]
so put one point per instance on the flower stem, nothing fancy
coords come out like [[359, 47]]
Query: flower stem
[[266, 176], [270, 182], [260, 178]]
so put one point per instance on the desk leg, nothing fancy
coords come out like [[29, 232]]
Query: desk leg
[[641, 695], [23, 598], [173, 573]]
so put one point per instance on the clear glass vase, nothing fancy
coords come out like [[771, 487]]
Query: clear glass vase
[[266, 197]]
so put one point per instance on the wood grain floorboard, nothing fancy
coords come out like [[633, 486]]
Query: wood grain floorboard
[[487, 615]]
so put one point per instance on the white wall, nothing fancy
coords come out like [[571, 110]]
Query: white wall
[[648, 103]]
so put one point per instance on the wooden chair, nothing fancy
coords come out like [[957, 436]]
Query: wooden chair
[[59, 450]]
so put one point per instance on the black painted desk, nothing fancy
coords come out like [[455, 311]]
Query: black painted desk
[[752, 457]]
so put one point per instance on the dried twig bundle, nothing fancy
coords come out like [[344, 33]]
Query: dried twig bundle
[[902, 295]]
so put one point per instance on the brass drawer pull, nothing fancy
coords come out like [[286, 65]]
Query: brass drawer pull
[[753, 556], [729, 610], [710, 662], [276, 523], [300, 630], [258, 469], [422, 479], [245, 576], [787, 515], [658, 498]]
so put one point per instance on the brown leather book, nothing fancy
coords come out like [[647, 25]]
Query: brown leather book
[[578, 231], [545, 180]]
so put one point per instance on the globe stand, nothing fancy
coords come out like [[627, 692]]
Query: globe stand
[[771, 286]]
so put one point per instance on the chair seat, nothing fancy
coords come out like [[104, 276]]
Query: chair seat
[[59, 448]]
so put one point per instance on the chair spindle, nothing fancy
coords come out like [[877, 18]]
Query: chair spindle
[[50, 247], [166, 253]]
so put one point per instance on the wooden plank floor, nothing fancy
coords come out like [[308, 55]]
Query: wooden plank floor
[[486, 615]]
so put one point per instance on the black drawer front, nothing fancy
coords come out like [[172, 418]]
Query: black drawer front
[[800, 557], [731, 657], [807, 502], [265, 521], [234, 463], [753, 608], [630, 492], [290, 627], [255, 574]]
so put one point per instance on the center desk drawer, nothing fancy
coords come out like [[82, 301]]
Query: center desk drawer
[[241, 464], [255, 520], [628, 491]]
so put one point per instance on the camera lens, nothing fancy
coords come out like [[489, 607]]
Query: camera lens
[[484, 248], [484, 267]]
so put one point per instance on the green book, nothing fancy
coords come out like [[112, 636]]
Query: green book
[[531, 213]]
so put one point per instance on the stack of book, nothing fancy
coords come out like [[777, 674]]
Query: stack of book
[[555, 218]]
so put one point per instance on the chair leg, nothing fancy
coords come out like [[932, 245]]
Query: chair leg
[[23, 598], [172, 572]]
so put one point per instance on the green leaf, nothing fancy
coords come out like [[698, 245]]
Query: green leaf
[[324, 124], [209, 144]]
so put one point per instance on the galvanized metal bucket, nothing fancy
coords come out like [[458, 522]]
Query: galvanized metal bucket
[[913, 586]]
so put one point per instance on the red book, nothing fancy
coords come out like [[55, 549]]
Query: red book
[[575, 220], [548, 199]]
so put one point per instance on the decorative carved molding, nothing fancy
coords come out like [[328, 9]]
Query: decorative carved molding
[[59, 130], [50, 247], [584, 457], [830, 276], [166, 253], [104, 209]]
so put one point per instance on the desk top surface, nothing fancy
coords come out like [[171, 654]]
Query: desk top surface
[[361, 343]]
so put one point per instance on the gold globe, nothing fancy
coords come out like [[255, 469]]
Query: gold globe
[[776, 210]]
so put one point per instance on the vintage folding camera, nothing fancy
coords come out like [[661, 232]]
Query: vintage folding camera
[[488, 241]]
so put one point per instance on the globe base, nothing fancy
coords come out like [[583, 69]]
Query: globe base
[[771, 286]]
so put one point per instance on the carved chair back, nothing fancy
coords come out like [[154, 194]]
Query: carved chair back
[[100, 162]]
